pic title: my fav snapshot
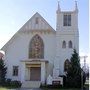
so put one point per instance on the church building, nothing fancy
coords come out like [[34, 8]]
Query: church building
[[37, 50]]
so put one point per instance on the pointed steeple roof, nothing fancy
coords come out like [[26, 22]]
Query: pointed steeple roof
[[76, 7], [58, 9], [59, 5]]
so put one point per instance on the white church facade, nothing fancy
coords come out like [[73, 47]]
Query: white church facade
[[37, 50]]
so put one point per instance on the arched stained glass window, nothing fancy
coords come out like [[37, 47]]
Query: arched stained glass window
[[70, 44], [66, 65], [64, 44], [36, 47]]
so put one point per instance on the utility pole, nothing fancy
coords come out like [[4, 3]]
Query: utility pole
[[84, 57]]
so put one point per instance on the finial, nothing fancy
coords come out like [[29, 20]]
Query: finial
[[58, 5], [76, 7]]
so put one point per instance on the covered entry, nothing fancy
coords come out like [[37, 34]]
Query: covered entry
[[33, 70]]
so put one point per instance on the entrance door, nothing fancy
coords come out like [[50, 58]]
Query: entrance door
[[35, 73]]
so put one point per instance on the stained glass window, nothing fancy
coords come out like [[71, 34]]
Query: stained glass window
[[36, 48]]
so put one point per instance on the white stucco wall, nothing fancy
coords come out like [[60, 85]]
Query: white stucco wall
[[19, 50], [66, 33]]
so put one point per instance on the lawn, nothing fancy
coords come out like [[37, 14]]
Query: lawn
[[3, 88]]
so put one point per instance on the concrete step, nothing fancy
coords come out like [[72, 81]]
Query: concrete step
[[31, 84]]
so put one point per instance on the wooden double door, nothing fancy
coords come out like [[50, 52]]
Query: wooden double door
[[35, 73]]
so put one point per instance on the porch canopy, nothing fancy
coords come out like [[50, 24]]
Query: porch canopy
[[33, 70]]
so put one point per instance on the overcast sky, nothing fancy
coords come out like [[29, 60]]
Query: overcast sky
[[14, 13]]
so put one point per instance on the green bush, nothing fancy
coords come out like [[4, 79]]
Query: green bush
[[12, 84], [7, 82], [3, 71], [15, 84], [73, 76], [64, 81]]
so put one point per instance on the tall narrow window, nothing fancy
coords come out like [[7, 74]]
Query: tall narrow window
[[66, 65], [36, 20], [70, 44], [63, 44], [67, 20], [15, 70], [36, 47]]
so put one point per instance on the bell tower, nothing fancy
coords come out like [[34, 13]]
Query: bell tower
[[67, 36], [67, 19]]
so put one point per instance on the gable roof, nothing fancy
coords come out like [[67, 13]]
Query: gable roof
[[29, 26], [31, 23]]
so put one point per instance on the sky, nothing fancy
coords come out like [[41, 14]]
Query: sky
[[15, 13]]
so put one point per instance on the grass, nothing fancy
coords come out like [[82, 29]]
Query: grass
[[7, 88], [2, 88]]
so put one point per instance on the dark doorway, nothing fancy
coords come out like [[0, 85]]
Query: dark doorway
[[35, 73]]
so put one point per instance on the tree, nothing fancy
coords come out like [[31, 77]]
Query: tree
[[3, 71], [74, 78]]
